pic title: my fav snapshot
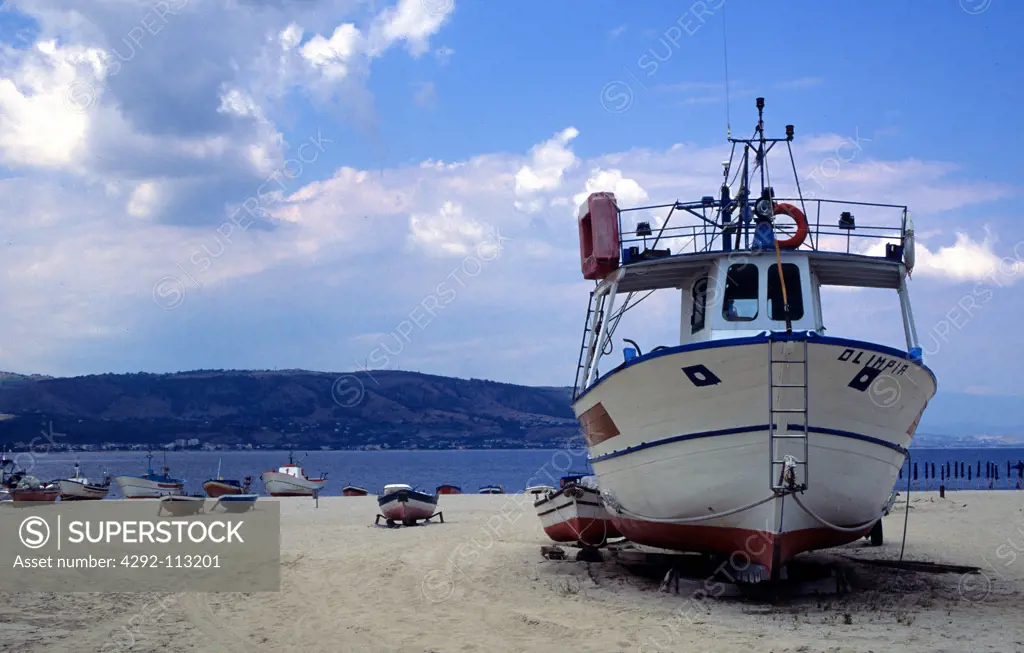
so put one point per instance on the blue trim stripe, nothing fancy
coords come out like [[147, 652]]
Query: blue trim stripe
[[761, 338], [748, 429]]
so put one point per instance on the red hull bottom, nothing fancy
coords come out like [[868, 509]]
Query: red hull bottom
[[214, 490], [34, 495], [743, 546], [589, 531], [402, 512]]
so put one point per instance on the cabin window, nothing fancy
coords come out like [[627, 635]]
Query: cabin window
[[700, 300], [741, 285], [776, 307]]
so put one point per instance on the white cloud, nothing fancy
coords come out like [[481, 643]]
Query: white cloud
[[45, 96], [447, 232], [970, 260], [332, 56], [144, 200], [549, 162], [627, 191], [411, 21]]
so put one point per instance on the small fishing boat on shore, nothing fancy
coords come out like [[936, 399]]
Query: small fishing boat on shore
[[235, 503], [492, 489], [221, 486], [80, 488], [30, 488], [354, 491], [576, 513], [448, 488], [291, 481], [401, 503], [181, 505], [150, 485]]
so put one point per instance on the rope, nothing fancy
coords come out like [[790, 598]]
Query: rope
[[843, 529], [687, 520]]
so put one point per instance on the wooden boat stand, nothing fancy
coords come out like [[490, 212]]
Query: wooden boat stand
[[391, 523]]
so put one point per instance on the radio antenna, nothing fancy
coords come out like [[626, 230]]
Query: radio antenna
[[725, 56]]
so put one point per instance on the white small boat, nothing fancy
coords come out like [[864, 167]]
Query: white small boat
[[291, 481], [576, 513], [182, 506], [150, 485], [80, 488], [401, 503], [236, 502], [492, 489]]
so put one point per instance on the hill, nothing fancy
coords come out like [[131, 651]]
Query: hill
[[285, 408]]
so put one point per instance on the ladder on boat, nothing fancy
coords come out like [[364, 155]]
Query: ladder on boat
[[584, 346], [787, 423]]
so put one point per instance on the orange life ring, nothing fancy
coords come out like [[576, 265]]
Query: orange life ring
[[797, 239]]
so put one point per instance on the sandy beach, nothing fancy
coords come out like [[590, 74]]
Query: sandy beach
[[478, 583]]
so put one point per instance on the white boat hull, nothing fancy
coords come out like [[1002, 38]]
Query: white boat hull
[[683, 434], [134, 487], [407, 506], [72, 490], [287, 485], [576, 514]]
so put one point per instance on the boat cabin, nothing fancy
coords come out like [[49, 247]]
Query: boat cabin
[[743, 261]]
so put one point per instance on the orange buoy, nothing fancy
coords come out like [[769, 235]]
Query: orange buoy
[[797, 239]]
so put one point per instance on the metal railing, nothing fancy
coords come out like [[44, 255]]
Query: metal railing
[[883, 223]]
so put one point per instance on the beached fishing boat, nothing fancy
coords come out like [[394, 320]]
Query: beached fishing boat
[[492, 489], [354, 491], [754, 434], [291, 481], [220, 486], [236, 502], [30, 488], [150, 485], [576, 513], [182, 506], [401, 503], [80, 488], [447, 488]]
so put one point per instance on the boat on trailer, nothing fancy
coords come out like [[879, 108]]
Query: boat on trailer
[[401, 503], [291, 481], [756, 436], [575, 513]]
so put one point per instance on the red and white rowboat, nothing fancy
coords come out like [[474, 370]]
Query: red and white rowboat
[[576, 513]]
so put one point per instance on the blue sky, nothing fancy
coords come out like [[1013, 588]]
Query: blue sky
[[132, 132]]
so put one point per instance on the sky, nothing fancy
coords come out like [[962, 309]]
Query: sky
[[336, 185]]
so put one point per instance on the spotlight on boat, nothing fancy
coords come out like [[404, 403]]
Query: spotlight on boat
[[846, 221], [643, 228], [789, 132], [760, 103]]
